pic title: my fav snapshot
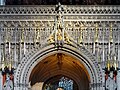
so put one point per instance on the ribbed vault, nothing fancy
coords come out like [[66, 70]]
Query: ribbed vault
[[61, 64]]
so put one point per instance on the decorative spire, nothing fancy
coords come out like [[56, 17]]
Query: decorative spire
[[22, 35], [59, 8], [59, 35], [111, 32], [96, 33]]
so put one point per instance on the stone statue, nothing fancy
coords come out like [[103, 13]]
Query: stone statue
[[8, 85], [110, 83]]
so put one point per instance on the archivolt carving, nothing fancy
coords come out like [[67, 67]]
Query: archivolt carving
[[23, 72]]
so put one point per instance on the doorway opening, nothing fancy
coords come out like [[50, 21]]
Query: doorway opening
[[60, 82], [60, 72]]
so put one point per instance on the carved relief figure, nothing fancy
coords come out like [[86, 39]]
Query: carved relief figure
[[8, 85]]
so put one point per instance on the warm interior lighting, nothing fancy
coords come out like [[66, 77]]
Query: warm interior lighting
[[60, 64]]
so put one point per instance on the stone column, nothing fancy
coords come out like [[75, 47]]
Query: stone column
[[118, 80], [0, 81], [118, 76], [0, 64]]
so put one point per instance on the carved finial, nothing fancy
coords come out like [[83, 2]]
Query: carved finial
[[59, 8]]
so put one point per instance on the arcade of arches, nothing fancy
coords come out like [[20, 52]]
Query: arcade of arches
[[50, 70]]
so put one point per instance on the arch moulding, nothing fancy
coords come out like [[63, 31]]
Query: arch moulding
[[30, 60]]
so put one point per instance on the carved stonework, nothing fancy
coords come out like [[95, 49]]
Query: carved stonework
[[26, 30]]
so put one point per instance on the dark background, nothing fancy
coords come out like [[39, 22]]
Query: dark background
[[64, 2]]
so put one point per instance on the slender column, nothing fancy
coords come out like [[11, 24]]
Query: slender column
[[20, 47], [9, 47], [103, 56], [119, 46], [103, 49], [0, 64], [15, 59], [118, 76], [81, 34], [24, 40], [94, 44], [24, 47], [0, 49], [0, 80]]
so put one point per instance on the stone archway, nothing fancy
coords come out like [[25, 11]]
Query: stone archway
[[30, 61], [60, 64]]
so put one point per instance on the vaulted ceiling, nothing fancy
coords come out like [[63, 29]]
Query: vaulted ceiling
[[60, 64]]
